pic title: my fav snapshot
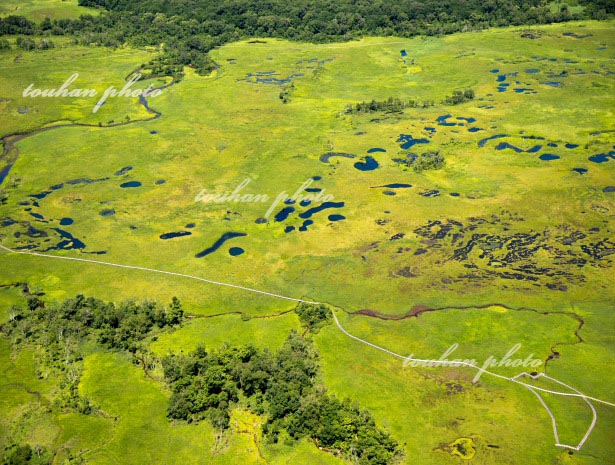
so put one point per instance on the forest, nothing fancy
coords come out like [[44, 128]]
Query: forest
[[191, 28]]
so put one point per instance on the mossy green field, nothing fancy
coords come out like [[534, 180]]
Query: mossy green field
[[38, 10], [499, 247]]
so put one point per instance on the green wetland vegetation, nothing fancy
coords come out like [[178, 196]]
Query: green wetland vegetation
[[426, 185]]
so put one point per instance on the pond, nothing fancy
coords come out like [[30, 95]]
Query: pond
[[66, 221], [430, 193], [599, 158], [327, 156], [235, 251], [216, 245], [69, 242], [549, 157], [395, 185], [130, 184], [506, 145], [304, 226], [441, 120], [321, 207], [407, 141], [123, 171], [483, 142], [173, 235], [369, 164], [283, 214]]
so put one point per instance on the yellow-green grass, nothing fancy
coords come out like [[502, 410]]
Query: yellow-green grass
[[24, 400], [212, 333], [216, 131], [141, 432], [424, 414], [38, 10], [9, 296], [97, 69]]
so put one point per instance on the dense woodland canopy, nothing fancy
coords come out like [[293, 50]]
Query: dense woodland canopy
[[190, 28], [283, 386]]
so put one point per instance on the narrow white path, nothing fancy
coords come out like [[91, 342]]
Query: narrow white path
[[152, 270], [515, 379]]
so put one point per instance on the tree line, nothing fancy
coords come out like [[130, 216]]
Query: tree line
[[189, 29], [391, 105], [280, 386]]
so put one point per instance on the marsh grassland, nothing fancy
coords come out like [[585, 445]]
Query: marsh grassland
[[510, 240]]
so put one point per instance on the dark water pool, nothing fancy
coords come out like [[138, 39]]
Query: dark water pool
[[336, 217], [325, 158], [442, 120], [599, 158], [66, 221], [369, 164], [216, 245], [173, 235], [107, 212], [506, 145], [431, 193], [123, 171], [235, 251], [321, 207], [283, 214], [549, 157], [395, 185], [130, 184], [483, 142], [69, 242], [304, 226], [407, 141]]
